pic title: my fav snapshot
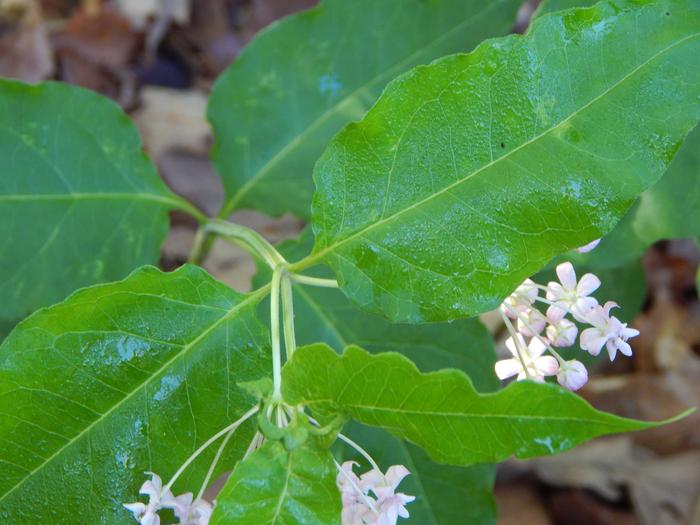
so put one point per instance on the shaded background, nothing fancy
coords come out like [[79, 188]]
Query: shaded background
[[158, 60]]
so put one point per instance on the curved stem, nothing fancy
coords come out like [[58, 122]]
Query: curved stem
[[361, 450], [246, 237], [208, 442], [314, 281], [275, 332]]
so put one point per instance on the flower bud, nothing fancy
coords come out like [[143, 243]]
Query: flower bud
[[572, 375]]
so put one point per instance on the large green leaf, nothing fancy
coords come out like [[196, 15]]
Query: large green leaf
[[276, 486], [80, 202], [445, 495], [120, 379], [303, 79], [468, 175], [440, 411]]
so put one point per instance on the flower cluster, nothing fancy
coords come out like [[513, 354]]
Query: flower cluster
[[383, 506], [187, 512], [554, 329]]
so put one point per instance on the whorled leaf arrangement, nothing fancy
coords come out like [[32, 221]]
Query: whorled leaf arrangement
[[467, 176]]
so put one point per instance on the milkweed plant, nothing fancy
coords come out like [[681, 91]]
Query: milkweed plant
[[445, 171]]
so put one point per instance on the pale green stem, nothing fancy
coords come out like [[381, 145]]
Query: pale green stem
[[314, 281], [208, 443], [212, 467], [361, 450], [254, 444], [290, 343], [538, 336], [246, 237], [275, 333], [516, 342]]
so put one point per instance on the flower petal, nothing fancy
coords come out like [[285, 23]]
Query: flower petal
[[592, 340], [508, 368], [567, 275], [547, 365], [395, 474], [588, 284]]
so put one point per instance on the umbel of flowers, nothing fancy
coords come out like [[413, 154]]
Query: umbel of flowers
[[533, 333]]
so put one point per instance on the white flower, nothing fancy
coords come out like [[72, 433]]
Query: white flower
[[390, 505], [606, 331], [360, 508], [158, 498], [538, 366], [531, 322], [588, 247], [197, 513], [561, 332], [572, 375], [521, 299], [571, 294]]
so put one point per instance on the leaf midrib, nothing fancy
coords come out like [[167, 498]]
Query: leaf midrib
[[249, 300], [316, 257], [467, 415], [231, 203]]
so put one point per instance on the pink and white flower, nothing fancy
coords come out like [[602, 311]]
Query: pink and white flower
[[521, 299], [537, 365], [608, 331], [561, 332], [573, 295], [572, 375]]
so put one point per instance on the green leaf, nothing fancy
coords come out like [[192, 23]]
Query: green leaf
[[468, 175], [299, 82], [445, 495], [275, 486], [120, 379], [667, 210], [80, 202], [440, 411]]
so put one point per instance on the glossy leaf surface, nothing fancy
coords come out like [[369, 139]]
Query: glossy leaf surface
[[440, 411], [117, 380], [549, 6], [80, 202], [300, 81], [275, 486], [468, 175]]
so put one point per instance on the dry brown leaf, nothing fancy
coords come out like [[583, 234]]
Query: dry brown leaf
[[25, 52]]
